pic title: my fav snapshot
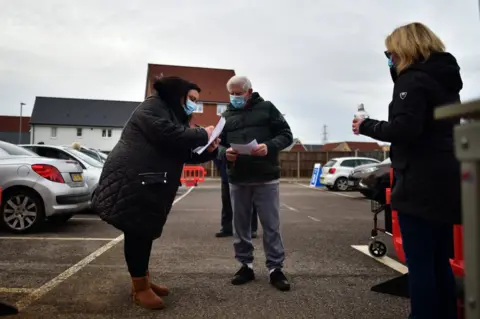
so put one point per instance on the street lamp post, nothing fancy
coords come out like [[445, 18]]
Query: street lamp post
[[20, 126]]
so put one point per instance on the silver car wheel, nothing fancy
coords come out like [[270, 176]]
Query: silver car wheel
[[342, 184], [20, 212]]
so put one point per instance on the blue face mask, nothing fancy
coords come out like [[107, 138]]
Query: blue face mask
[[390, 63], [190, 107], [237, 101]]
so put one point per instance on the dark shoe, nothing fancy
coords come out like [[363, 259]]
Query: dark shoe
[[243, 276], [223, 234], [279, 281], [6, 309], [254, 234]]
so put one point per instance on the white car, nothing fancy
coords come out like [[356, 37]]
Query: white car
[[336, 171], [35, 188], [92, 169], [93, 153]]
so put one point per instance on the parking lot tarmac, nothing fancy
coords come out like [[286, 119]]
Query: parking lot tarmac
[[77, 270]]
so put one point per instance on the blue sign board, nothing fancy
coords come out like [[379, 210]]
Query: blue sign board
[[317, 173]]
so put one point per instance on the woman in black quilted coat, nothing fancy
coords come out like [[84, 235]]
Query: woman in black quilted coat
[[141, 176], [426, 191]]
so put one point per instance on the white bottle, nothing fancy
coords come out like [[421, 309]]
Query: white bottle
[[361, 113]]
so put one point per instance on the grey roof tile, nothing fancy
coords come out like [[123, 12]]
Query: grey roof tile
[[81, 112]]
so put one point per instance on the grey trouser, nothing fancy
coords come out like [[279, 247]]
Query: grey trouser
[[266, 199]]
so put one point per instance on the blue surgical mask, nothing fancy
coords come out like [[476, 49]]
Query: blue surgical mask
[[390, 63], [237, 101], [189, 107]]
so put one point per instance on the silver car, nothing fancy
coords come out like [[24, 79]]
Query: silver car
[[93, 153], [35, 189], [92, 169]]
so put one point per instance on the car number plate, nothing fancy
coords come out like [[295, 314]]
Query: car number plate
[[77, 177], [351, 183]]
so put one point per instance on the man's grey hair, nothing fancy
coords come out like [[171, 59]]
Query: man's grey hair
[[241, 81]]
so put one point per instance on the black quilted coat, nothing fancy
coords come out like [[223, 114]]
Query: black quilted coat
[[422, 151], [141, 175]]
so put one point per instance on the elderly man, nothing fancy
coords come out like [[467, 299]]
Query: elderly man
[[254, 178]]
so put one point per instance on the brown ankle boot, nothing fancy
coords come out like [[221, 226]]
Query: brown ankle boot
[[143, 294], [160, 290]]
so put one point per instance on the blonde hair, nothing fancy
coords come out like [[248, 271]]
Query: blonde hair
[[411, 42], [76, 146]]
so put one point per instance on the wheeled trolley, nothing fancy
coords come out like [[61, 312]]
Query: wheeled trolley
[[376, 247]]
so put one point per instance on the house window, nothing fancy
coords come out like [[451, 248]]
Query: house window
[[53, 132], [199, 108], [221, 108], [106, 133], [79, 132]]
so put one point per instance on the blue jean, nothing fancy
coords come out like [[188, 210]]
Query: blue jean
[[428, 247]]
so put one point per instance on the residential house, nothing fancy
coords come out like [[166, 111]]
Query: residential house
[[367, 149], [94, 123], [313, 147], [214, 97], [296, 146], [11, 131]]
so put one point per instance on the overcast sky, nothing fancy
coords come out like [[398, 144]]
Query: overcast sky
[[314, 59]]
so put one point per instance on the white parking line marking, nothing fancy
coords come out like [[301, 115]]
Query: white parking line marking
[[44, 289], [16, 290], [290, 208], [325, 191], [387, 261], [57, 238], [86, 218], [314, 219]]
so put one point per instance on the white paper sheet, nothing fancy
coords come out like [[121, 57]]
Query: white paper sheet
[[245, 149], [216, 133]]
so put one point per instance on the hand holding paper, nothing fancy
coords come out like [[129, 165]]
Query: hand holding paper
[[209, 130], [231, 155], [213, 134], [245, 149], [214, 145], [260, 150]]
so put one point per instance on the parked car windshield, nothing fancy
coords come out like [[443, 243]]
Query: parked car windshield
[[87, 159], [330, 163], [91, 153], [14, 150], [103, 155]]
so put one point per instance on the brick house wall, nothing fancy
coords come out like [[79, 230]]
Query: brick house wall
[[9, 127], [211, 81]]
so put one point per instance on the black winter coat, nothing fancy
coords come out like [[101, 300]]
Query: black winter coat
[[141, 175], [262, 121], [422, 148]]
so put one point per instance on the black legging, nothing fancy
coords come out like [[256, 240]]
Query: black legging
[[137, 254]]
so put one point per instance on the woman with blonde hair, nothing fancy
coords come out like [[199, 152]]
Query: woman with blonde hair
[[426, 192]]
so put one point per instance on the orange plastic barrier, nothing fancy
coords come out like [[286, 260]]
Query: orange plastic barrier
[[192, 175], [396, 235]]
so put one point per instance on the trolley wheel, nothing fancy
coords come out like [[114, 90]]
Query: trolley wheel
[[377, 248]]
